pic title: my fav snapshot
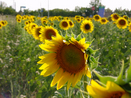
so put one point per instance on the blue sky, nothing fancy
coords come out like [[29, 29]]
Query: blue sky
[[63, 4]]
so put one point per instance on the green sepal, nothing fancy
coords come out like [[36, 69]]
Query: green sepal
[[78, 37], [104, 79], [93, 62], [127, 87], [119, 79], [72, 35], [128, 73], [91, 51], [67, 38], [89, 42]]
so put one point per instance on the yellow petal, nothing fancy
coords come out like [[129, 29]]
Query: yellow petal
[[44, 66], [88, 73], [111, 87], [51, 69], [98, 86], [77, 78], [57, 77], [82, 41], [65, 77], [70, 81], [47, 47], [126, 95], [94, 94]]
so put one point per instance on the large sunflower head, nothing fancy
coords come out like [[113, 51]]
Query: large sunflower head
[[64, 24], [121, 23], [87, 26], [103, 20], [96, 17], [114, 16], [47, 33], [67, 58]]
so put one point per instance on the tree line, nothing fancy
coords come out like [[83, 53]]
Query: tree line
[[83, 11]]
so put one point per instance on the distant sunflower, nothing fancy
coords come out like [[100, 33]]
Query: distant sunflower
[[121, 23], [78, 20], [26, 22], [71, 23], [44, 22], [87, 26], [3, 23], [64, 24], [129, 27], [103, 20], [126, 17], [36, 32], [114, 16], [31, 27], [0, 25], [18, 20], [67, 58], [47, 32], [96, 17]]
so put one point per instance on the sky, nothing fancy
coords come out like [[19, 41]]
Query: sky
[[63, 4]]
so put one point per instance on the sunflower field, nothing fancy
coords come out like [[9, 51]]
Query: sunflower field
[[65, 57]]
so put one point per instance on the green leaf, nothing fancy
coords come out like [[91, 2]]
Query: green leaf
[[104, 79], [91, 51], [128, 73], [78, 37], [119, 79]]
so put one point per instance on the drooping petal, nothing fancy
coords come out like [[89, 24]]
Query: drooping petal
[[111, 87], [65, 77], [70, 81], [57, 77], [51, 69]]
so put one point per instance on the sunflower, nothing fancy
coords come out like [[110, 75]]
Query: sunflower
[[114, 16], [67, 58], [3, 23], [71, 23], [111, 90], [0, 25], [121, 23], [96, 17], [44, 22], [31, 27], [126, 17], [36, 32], [103, 20], [87, 26], [64, 24], [18, 20], [129, 27], [78, 20], [47, 33]]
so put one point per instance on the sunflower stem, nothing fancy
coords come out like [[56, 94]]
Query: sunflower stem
[[85, 82]]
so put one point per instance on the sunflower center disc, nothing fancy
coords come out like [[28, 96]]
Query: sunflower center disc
[[122, 22], [87, 26], [50, 33], [64, 24], [116, 95], [116, 17], [71, 58]]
